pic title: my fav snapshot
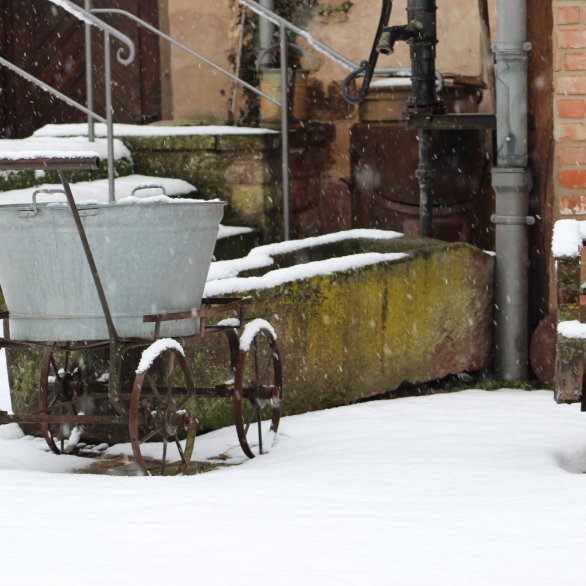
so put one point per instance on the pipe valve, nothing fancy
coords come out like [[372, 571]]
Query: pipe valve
[[390, 35]]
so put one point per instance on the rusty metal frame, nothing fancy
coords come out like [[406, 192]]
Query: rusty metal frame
[[118, 347]]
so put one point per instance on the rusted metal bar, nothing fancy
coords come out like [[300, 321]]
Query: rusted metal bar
[[90, 257], [48, 162], [49, 418], [221, 305]]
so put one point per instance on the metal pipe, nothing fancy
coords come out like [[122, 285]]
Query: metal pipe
[[266, 31], [36, 81], [89, 78], [424, 174], [109, 116], [512, 183], [285, 132], [421, 18]]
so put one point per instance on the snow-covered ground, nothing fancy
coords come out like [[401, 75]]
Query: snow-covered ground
[[474, 488]]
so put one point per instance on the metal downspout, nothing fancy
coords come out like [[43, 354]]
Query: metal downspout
[[266, 30], [512, 182]]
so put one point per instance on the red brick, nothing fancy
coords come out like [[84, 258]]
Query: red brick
[[571, 155], [568, 15], [570, 132], [567, 85], [575, 61], [572, 205], [572, 39], [571, 108], [572, 178]]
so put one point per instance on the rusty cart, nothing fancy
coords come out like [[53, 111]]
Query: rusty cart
[[125, 280]]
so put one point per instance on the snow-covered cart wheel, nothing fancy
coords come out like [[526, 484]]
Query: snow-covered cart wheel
[[162, 389], [258, 390], [66, 376]]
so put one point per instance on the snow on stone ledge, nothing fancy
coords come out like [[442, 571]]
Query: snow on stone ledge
[[261, 256], [97, 191], [63, 145], [572, 329], [46, 154], [567, 238], [155, 349], [51, 130], [305, 271]]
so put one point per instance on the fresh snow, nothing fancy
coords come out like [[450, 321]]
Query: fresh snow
[[262, 256], [251, 329], [308, 270], [61, 146], [482, 488], [567, 237], [150, 354], [92, 191], [572, 329], [80, 129]]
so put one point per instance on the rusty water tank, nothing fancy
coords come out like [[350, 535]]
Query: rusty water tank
[[385, 155]]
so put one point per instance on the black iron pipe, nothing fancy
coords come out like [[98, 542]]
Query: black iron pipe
[[421, 15]]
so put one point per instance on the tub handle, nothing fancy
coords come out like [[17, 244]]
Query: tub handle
[[35, 209], [149, 186], [32, 213]]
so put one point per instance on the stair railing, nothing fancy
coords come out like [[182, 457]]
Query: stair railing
[[125, 55], [279, 103], [284, 26]]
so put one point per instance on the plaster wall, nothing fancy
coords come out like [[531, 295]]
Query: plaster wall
[[209, 26]]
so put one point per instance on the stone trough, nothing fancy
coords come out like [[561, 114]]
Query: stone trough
[[357, 314]]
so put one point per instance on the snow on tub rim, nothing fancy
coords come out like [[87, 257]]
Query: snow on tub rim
[[152, 254]]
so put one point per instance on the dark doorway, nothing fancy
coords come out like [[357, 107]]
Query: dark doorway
[[49, 43]]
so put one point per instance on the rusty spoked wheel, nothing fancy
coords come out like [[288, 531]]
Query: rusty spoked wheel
[[65, 375], [158, 412], [258, 394]]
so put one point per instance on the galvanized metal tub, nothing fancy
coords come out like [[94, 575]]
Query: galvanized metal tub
[[152, 257]]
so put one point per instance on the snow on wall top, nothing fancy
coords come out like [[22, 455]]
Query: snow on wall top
[[279, 277], [567, 237], [91, 191], [64, 130], [261, 256], [62, 147]]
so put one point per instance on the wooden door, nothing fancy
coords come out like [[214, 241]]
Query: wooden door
[[49, 43]]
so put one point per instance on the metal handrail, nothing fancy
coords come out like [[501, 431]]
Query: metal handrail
[[326, 50], [49, 89], [87, 17], [281, 104], [180, 45], [125, 55]]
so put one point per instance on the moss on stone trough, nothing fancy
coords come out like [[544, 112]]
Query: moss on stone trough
[[358, 333], [352, 334]]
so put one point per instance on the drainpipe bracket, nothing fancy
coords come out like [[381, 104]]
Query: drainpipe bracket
[[512, 220], [500, 48]]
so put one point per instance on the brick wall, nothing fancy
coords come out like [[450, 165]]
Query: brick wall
[[570, 106]]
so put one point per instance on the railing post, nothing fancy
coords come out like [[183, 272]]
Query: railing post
[[109, 121], [89, 79], [285, 131]]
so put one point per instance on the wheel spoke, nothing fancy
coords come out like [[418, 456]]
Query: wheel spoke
[[258, 370], [154, 390]]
